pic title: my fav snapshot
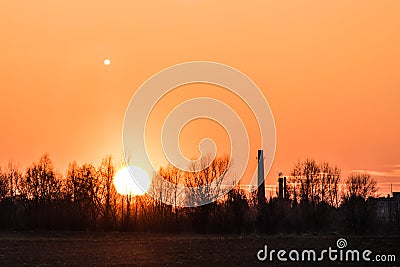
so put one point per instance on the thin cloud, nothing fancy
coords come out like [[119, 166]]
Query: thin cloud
[[392, 173], [393, 165]]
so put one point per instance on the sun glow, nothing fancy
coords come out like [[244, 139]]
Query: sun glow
[[132, 180]]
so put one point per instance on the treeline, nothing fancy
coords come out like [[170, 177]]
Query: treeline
[[84, 198]]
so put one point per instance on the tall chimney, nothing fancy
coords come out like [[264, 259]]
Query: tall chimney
[[284, 188], [261, 183], [280, 187]]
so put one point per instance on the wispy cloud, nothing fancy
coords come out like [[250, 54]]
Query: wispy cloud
[[393, 165], [391, 173]]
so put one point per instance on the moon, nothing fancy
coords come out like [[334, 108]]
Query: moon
[[107, 62]]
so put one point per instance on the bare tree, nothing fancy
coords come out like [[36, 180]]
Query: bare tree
[[360, 185], [84, 190], [14, 177], [41, 183], [3, 184], [107, 192], [203, 175], [174, 176], [315, 183], [356, 210], [204, 185], [329, 184], [162, 190], [305, 175]]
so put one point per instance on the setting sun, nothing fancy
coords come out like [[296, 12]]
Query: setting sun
[[132, 180]]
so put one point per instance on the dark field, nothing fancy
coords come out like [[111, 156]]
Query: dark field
[[101, 248]]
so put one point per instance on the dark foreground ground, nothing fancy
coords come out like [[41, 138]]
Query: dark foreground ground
[[98, 249]]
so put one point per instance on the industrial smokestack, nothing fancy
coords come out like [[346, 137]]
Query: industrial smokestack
[[280, 186], [282, 192], [284, 187], [261, 184]]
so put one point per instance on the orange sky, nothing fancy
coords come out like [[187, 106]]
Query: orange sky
[[330, 71]]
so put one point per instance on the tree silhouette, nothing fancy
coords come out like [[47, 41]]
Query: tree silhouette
[[360, 185], [41, 183], [202, 175], [84, 188], [107, 199], [356, 209], [315, 183], [3, 184], [85, 198]]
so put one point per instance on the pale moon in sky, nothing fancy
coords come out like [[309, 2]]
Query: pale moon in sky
[[107, 62]]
